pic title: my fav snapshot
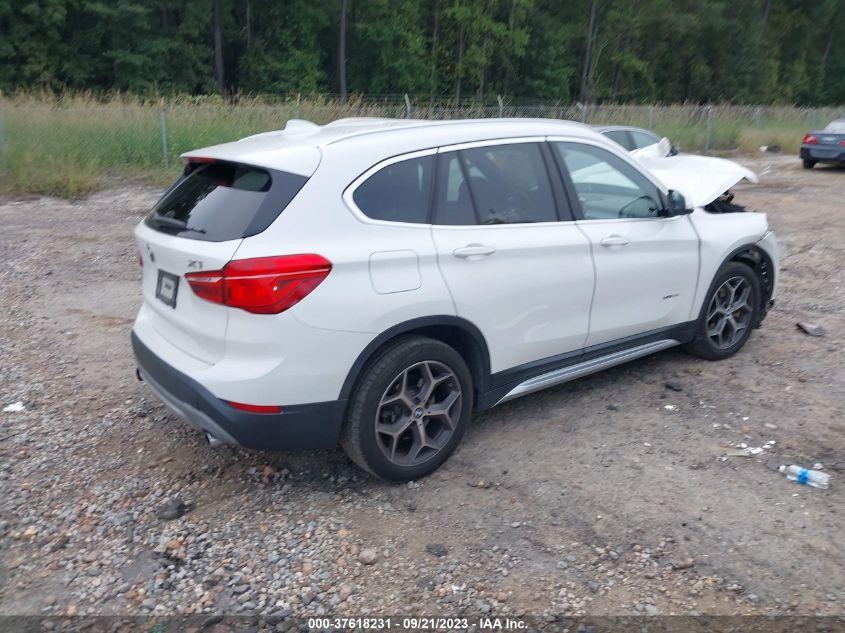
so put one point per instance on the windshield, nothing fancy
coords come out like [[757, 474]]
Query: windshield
[[224, 201], [837, 127]]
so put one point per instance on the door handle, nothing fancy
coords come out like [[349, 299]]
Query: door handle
[[473, 251], [614, 240]]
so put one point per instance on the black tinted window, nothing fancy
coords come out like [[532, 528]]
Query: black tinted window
[[608, 187], [224, 201], [622, 137], [507, 184], [399, 192]]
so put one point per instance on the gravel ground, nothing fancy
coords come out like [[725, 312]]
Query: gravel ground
[[611, 495]]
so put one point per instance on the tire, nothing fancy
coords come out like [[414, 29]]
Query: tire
[[389, 411], [715, 312], [809, 164]]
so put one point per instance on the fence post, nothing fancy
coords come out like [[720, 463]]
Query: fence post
[[407, 107], [163, 122], [2, 141], [650, 116], [501, 106], [582, 107], [709, 128]]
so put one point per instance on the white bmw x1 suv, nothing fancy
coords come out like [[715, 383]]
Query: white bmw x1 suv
[[375, 282]]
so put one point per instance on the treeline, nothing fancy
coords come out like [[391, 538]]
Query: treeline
[[745, 51]]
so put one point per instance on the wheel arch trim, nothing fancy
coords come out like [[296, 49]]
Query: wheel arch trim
[[481, 372], [766, 285]]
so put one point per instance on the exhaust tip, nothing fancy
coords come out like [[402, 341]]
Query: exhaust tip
[[213, 442]]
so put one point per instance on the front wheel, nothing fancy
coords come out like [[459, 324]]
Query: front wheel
[[729, 314], [409, 410]]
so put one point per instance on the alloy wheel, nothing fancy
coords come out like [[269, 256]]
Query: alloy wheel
[[730, 312], [418, 413]]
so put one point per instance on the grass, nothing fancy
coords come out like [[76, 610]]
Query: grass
[[70, 145]]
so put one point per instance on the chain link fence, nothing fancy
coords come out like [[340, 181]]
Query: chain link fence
[[71, 144]]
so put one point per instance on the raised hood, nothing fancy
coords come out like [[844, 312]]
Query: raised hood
[[701, 179]]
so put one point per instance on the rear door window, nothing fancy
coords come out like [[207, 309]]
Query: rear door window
[[223, 201], [399, 192], [500, 184]]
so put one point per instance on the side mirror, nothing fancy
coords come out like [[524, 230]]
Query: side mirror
[[676, 204]]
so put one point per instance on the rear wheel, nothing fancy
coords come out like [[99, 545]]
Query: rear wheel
[[409, 410], [809, 164], [729, 314]]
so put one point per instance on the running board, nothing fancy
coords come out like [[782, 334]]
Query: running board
[[584, 368]]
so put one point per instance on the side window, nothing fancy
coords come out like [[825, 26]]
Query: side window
[[505, 184], [607, 186], [622, 137], [452, 201], [399, 192], [642, 139]]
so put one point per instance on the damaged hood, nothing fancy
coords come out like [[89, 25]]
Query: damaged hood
[[701, 179]]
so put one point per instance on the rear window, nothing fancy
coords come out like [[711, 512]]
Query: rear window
[[223, 201]]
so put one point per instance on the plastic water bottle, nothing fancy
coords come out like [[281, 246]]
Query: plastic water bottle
[[813, 478]]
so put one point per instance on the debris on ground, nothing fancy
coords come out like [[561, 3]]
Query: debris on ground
[[269, 474], [673, 386], [368, 555], [806, 476], [436, 549], [685, 563], [15, 407], [172, 509], [744, 450], [481, 483], [771, 149], [811, 328]]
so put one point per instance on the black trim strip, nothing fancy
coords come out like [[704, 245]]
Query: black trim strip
[[417, 325], [564, 210]]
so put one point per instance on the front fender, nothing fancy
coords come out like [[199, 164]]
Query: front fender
[[722, 238]]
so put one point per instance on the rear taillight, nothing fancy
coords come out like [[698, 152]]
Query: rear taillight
[[842, 142], [809, 139], [263, 285]]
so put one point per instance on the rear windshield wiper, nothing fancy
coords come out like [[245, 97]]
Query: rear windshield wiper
[[173, 223]]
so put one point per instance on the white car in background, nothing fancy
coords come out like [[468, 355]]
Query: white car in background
[[638, 141], [376, 282]]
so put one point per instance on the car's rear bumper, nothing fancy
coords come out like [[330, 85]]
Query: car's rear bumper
[[298, 427], [821, 154]]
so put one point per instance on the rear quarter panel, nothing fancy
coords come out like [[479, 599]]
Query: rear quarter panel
[[383, 274]]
